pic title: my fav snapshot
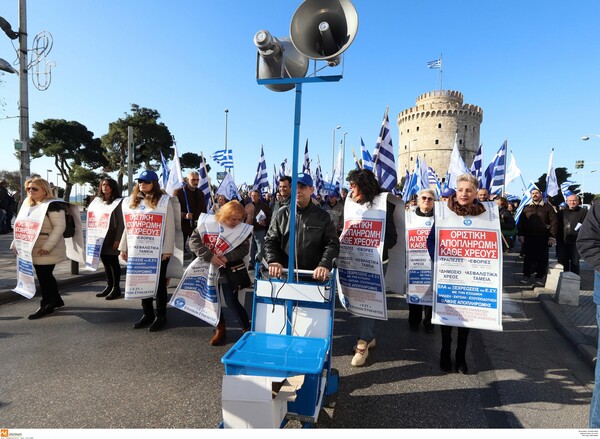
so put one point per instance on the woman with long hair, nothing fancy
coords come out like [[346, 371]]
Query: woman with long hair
[[232, 215], [146, 197], [49, 248], [109, 193], [364, 189]]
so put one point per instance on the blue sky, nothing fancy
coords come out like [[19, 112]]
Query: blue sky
[[532, 66]]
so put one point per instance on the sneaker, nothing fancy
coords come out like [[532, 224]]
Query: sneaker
[[371, 345], [539, 283], [362, 353], [526, 280]]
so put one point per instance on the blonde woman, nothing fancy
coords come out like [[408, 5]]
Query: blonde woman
[[49, 248]]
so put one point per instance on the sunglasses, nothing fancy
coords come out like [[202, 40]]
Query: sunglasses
[[144, 181], [426, 198], [34, 189]]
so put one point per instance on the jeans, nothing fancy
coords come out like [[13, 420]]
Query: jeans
[[233, 303], [595, 404], [256, 251]]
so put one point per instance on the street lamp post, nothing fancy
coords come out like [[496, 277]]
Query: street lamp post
[[343, 160], [333, 149], [48, 171]]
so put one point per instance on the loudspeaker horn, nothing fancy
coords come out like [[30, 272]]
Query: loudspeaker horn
[[324, 29], [278, 58]]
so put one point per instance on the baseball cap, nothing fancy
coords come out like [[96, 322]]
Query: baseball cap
[[148, 175], [448, 192], [305, 179]]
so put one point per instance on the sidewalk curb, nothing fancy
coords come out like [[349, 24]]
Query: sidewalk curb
[[9, 296], [561, 322]]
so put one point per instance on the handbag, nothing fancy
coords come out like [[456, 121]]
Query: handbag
[[237, 275]]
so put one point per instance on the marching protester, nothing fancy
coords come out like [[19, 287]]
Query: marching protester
[[569, 223], [105, 229], [508, 226], [191, 202], [221, 201], [335, 209], [588, 246], [261, 218], [316, 239], [421, 219], [367, 197], [39, 241], [283, 196], [463, 204], [147, 246], [231, 215]]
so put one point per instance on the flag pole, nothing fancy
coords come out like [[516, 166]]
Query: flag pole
[[210, 192], [356, 158], [441, 71]]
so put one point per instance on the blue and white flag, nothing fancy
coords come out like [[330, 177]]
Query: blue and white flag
[[228, 188], [564, 188], [496, 172], [306, 164], [319, 183], [513, 171], [223, 157], [551, 182], [418, 180], [435, 64], [261, 181], [367, 160], [525, 200], [457, 166], [435, 180], [164, 171], [383, 157], [406, 185], [336, 180], [477, 166], [204, 183], [175, 180]]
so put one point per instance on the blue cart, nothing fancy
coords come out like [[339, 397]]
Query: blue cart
[[292, 334]]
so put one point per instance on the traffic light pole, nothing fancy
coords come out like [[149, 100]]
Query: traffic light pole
[[130, 152]]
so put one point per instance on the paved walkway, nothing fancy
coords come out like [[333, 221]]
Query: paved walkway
[[577, 323]]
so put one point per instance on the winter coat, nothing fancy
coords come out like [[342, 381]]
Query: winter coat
[[51, 237]]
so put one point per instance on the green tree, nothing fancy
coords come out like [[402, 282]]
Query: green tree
[[563, 175], [75, 151], [152, 136]]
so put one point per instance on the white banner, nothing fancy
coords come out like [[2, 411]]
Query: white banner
[[145, 229], [361, 284], [196, 293], [467, 275], [98, 223], [418, 262]]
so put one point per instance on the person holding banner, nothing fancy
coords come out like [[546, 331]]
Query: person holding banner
[[147, 246], [231, 215], [49, 247], [456, 297], [377, 215], [424, 220], [107, 206]]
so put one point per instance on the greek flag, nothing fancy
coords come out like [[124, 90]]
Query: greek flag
[[434, 179], [204, 184], [165, 171], [435, 64], [383, 157], [367, 160], [457, 166], [319, 183], [223, 157], [497, 171], [551, 182], [175, 180], [306, 164], [418, 180], [477, 166], [406, 185], [564, 188], [261, 181], [525, 200]]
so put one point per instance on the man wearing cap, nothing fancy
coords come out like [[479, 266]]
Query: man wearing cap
[[335, 209], [316, 239], [191, 201]]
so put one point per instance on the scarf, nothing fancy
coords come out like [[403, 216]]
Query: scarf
[[472, 209]]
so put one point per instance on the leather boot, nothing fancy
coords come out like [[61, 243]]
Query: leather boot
[[148, 316], [461, 349], [161, 314], [105, 292], [115, 293], [220, 334], [158, 324]]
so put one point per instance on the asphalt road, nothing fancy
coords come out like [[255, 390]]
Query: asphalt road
[[85, 367]]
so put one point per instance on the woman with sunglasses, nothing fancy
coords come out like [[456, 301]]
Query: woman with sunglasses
[[147, 198], [424, 209], [109, 193], [49, 248]]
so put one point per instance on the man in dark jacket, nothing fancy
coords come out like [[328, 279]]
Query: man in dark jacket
[[191, 200], [588, 246], [261, 218], [317, 243], [537, 229], [569, 222]]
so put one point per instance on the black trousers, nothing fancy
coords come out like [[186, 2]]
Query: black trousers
[[161, 294], [415, 315], [536, 256], [50, 294], [461, 342], [568, 256], [112, 268]]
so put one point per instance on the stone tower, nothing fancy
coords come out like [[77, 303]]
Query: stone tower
[[429, 128]]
